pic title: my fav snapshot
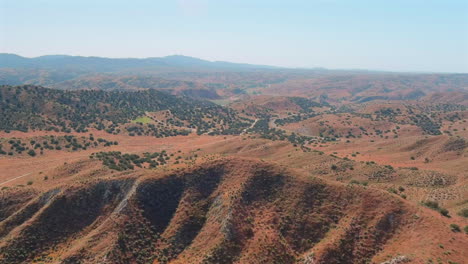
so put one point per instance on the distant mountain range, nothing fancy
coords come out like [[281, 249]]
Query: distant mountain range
[[100, 64], [202, 79]]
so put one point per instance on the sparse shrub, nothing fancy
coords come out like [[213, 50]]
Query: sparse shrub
[[364, 183], [463, 213], [435, 206], [431, 204], [444, 212], [455, 228]]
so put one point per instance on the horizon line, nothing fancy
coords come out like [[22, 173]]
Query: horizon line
[[245, 63]]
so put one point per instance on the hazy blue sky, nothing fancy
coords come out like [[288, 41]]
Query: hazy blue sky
[[400, 35]]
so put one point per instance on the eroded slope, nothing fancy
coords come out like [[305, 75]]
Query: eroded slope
[[224, 211]]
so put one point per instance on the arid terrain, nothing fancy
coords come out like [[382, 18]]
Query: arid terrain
[[189, 161]]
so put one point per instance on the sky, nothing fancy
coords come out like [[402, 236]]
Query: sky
[[395, 35]]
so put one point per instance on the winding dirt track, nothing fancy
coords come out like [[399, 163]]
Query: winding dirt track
[[251, 126], [21, 176]]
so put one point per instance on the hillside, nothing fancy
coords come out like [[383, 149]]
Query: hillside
[[233, 132], [37, 108], [225, 80], [361, 88], [180, 160], [223, 211]]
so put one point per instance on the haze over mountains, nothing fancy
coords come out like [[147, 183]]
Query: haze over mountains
[[181, 75], [170, 62], [101, 64]]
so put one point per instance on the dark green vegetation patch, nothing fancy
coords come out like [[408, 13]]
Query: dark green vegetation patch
[[30, 107]]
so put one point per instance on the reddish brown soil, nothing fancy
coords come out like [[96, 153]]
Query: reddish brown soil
[[228, 210]]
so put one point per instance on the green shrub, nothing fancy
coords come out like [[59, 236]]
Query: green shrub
[[431, 204], [455, 228], [444, 212], [463, 213], [364, 183], [435, 206]]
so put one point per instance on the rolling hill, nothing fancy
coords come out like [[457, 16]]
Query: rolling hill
[[181, 160], [37, 108], [224, 211]]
